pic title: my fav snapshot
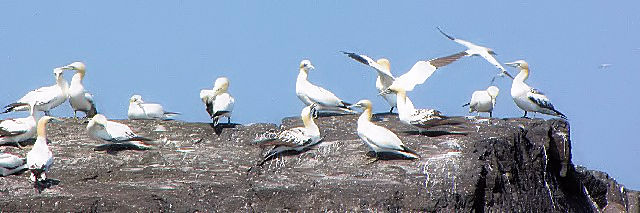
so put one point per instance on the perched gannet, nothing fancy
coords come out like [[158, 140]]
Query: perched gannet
[[297, 138], [528, 98], [218, 101], [79, 98], [476, 50], [40, 158], [10, 164], [100, 128], [408, 114], [18, 129], [138, 109], [310, 94], [418, 74], [378, 138], [44, 98], [483, 100]]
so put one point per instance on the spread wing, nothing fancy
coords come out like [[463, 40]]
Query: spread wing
[[385, 75], [422, 70]]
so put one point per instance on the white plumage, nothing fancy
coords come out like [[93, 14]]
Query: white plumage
[[10, 164], [40, 158], [219, 103], [408, 114], [138, 109], [476, 50], [418, 74], [18, 129], [80, 99], [377, 138], [102, 129], [297, 138], [44, 98], [384, 79], [310, 94], [527, 98], [484, 100]]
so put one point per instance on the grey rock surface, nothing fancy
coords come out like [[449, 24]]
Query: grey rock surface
[[495, 165]]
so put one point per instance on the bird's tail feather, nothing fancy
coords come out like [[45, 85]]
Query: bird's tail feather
[[13, 106], [409, 152], [558, 113]]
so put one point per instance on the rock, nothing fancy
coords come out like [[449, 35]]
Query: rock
[[494, 165]]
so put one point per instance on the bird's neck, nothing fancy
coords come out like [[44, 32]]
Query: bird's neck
[[77, 78], [61, 82], [310, 124], [522, 76], [404, 107], [303, 74], [42, 131], [366, 115]]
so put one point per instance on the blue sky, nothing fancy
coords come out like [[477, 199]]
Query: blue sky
[[167, 51]]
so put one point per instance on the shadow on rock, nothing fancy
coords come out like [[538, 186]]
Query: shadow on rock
[[221, 126], [45, 184]]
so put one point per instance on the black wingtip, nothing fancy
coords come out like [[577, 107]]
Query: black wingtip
[[448, 36], [467, 104], [559, 114]]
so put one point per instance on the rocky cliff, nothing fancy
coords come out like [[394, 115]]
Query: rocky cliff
[[495, 165]]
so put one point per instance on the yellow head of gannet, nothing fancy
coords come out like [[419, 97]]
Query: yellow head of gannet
[[42, 125], [307, 115], [135, 99], [366, 106], [77, 66], [306, 65], [493, 91], [221, 85], [384, 62], [521, 65], [98, 119]]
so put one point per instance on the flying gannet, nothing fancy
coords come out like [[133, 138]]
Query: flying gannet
[[384, 79], [297, 138], [79, 98], [483, 100], [18, 129], [418, 74], [528, 98], [138, 109], [219, 103], [310, 94], [40, 158], [10, 164], [100, 128], [44, 98], [380, 139], [476, 50], [422, 118]]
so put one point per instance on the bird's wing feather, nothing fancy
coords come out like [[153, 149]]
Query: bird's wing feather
[[492, 60], [321, 96], [12, 127], [383, 138], [294, 137], [422, 70], [223, 102], [120, 132], [383, 72]]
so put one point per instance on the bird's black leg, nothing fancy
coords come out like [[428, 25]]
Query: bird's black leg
[[391, 110], [228, 120], [490, 114], [525, 115]]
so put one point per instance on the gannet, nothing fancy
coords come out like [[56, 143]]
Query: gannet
[[10, 164], [218, 101], [297, 138], [380, 139], [100, 128], [44, 98], [476, 50], [408, 114], [138, 109], [483, 100], [18, 129], [528, 98], [384, 79], [79, 98], [310, 94], [418, 74], [40, 158]]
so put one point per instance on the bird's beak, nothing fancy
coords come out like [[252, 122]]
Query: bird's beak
[[312, 67], [55, 120], [512, 64], [68, 67], [492, 52]]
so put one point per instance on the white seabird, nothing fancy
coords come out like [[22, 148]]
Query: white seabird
[[18, 129], [100, 128], [297, 138], [10, 164], [380, 139], [528, 98], [219, 103], [418, 74], [408, 114], [138, 109], [310, 94], [476, 50], [79, 98], [40, 158], [483, 100], [44, 98], [384, 79]]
